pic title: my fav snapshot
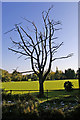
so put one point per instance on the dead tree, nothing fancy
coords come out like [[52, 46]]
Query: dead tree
[[40, 50]]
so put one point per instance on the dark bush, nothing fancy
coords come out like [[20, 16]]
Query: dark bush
[[57, 115], [13, 112], [45, 114], [22, 97], [74, 114], [68, 86], [31, 116], [51, 115]]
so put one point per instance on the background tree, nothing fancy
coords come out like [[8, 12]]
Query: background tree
[[16, 76], [5, 76], [0, 75], [52, 75], [24, 78], [58, 74], [41, 48], [77, 74], [70, 74], [34, 77], [29, 77], [48, 76]]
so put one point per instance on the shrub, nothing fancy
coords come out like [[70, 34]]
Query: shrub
[[45, 114], [74, 114], [31, 116], [15, 97], [68, 86], [51, 115], [57, 115]]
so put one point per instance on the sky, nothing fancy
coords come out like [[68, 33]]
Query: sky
[[79, 35], [66, 12]]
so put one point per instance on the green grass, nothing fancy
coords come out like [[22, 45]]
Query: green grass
[[34, 85], [21, 85], [57, 86]]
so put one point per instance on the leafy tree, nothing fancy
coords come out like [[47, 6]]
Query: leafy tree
[[48, 76], [68, 86], [78, 76], [6, 77], [28, 76], [0, 74], [70, 74], [52, 75], [34, 77], [41, 48], [16, 76], [58, 74], [24, 78]]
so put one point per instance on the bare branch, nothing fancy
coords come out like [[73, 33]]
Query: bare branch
[[57, 47], [58, 29], [22, 40], [20, 46], [33, 64], [27, 58], [20, 56], [30, 39], [36, 31], [70, 55], [47, 13], [26, 20], [57, 23], [13, 28], [17, 51], [9, 31]]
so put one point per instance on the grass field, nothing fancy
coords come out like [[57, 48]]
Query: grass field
[[57, 86], [34, 85]]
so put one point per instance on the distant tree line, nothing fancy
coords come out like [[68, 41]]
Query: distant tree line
[[60, 75], [5, 76]]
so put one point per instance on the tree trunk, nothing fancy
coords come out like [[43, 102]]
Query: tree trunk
[[41, 88]]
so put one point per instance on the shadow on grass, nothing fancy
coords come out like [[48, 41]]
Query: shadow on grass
[[57, 94]]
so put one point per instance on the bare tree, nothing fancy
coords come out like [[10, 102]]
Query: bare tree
[[40, 50]]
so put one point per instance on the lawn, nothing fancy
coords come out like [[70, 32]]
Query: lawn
[[55, 88], [34, 85]]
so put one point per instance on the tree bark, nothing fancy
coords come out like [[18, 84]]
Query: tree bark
[[41, 88]]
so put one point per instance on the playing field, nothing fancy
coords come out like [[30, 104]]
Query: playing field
[[34, 85]]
